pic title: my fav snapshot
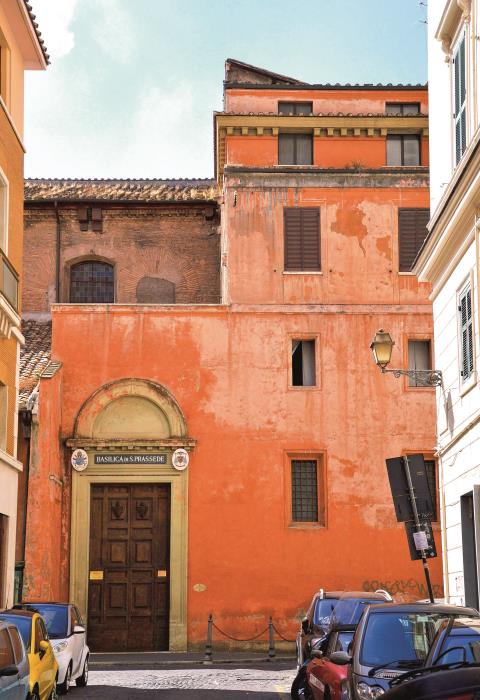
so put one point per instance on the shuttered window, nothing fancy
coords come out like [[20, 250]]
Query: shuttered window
[[466, 333], [460, 93], [412, 231], [402, 108], [302, 238], [295, 149]]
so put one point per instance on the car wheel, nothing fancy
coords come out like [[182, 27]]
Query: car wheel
[[64, 687], [299, 685], [83, 679]]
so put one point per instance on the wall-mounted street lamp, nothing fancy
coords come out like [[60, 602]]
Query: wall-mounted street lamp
[[382, 346]]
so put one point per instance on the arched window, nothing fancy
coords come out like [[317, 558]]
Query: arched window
[[91, 282]]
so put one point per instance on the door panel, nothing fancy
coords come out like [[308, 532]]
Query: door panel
[[129, 567]]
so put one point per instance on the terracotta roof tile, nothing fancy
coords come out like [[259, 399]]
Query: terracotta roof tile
[[37, 31], [144, 190], [34, 356]]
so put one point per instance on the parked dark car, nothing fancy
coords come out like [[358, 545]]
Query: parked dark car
[[391, 640], [14, 667], [315, 622], [433, 684], [457, 640], [342, 622]]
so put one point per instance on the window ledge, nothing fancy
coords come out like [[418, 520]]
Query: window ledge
[[302, 272], [407, 274], [306, 526], [469, 384], [291, 387]]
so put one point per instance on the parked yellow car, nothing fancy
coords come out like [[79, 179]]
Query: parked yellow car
[[43, 666]]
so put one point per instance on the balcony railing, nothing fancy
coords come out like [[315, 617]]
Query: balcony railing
[[8, 281]]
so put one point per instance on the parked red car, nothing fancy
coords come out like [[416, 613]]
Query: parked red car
[[324, 678]]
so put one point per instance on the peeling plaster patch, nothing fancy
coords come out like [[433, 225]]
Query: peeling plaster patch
[[350, 222], [199, 587], [384, 246]]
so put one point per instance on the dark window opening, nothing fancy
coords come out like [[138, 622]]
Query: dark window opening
[[303, 363], [402, 108], [466, 333], [296, 108], [91, 282], [412, 232], [403, 149], [419, 357], [295, 149], [302, 239], [304, 491]]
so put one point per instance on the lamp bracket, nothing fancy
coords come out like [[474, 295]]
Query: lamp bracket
[[423, 377]]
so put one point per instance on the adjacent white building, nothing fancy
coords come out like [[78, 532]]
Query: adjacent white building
[[449, 260]]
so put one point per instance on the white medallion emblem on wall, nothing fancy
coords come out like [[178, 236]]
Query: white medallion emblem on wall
[[79, 460], [180, 459]]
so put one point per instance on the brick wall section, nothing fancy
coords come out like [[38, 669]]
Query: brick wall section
[[169, 242]]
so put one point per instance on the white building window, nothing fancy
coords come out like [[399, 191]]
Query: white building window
[[459, 96], [465, 323]]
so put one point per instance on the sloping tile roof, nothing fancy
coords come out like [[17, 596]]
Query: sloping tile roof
[[130, 190], [34, 356], [37, 31]]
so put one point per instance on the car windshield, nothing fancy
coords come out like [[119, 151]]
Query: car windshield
[[349, 610], [24, 625], [56, 619], [343, 641], [460, 648], [401, 636], [323, 611]]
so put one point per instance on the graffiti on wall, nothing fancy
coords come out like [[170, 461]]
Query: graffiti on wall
[[408, 588]]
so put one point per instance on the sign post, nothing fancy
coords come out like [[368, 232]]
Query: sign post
[[414, 505], [420, 542]]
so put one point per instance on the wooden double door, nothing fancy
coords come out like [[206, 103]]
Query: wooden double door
[[128, 590]]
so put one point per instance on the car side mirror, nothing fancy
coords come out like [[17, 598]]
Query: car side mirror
[[11, 670], [78, 629], [341, 658], [305, 626], [317, 654]]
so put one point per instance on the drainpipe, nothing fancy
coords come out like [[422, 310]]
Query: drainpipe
[[57, 254]]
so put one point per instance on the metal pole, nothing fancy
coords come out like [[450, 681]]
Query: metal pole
[[271, 641], [207, 659], [417, 525]]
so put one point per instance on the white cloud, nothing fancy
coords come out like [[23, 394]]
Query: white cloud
[[54, 19], [112, 30]]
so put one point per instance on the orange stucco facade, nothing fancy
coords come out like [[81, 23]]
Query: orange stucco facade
[[228, 369]]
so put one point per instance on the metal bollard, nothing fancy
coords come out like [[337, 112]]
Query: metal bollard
[[207, 659], [271, 641]]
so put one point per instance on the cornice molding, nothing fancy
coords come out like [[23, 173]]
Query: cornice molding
[[455, 12]]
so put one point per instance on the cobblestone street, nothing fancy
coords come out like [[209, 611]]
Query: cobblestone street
[[265, 681]]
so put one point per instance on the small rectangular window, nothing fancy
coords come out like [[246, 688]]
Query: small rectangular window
[[301, 239], [419, 358], [305, 491], [402, 108], [303, 363], [295, 108], [403, 149], [465, 322], [412, 232], [295, 149]]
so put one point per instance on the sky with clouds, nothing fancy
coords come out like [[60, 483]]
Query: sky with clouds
[[132, 85]]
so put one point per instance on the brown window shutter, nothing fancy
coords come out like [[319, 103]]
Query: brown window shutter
[[412, 231], [302, 238]]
